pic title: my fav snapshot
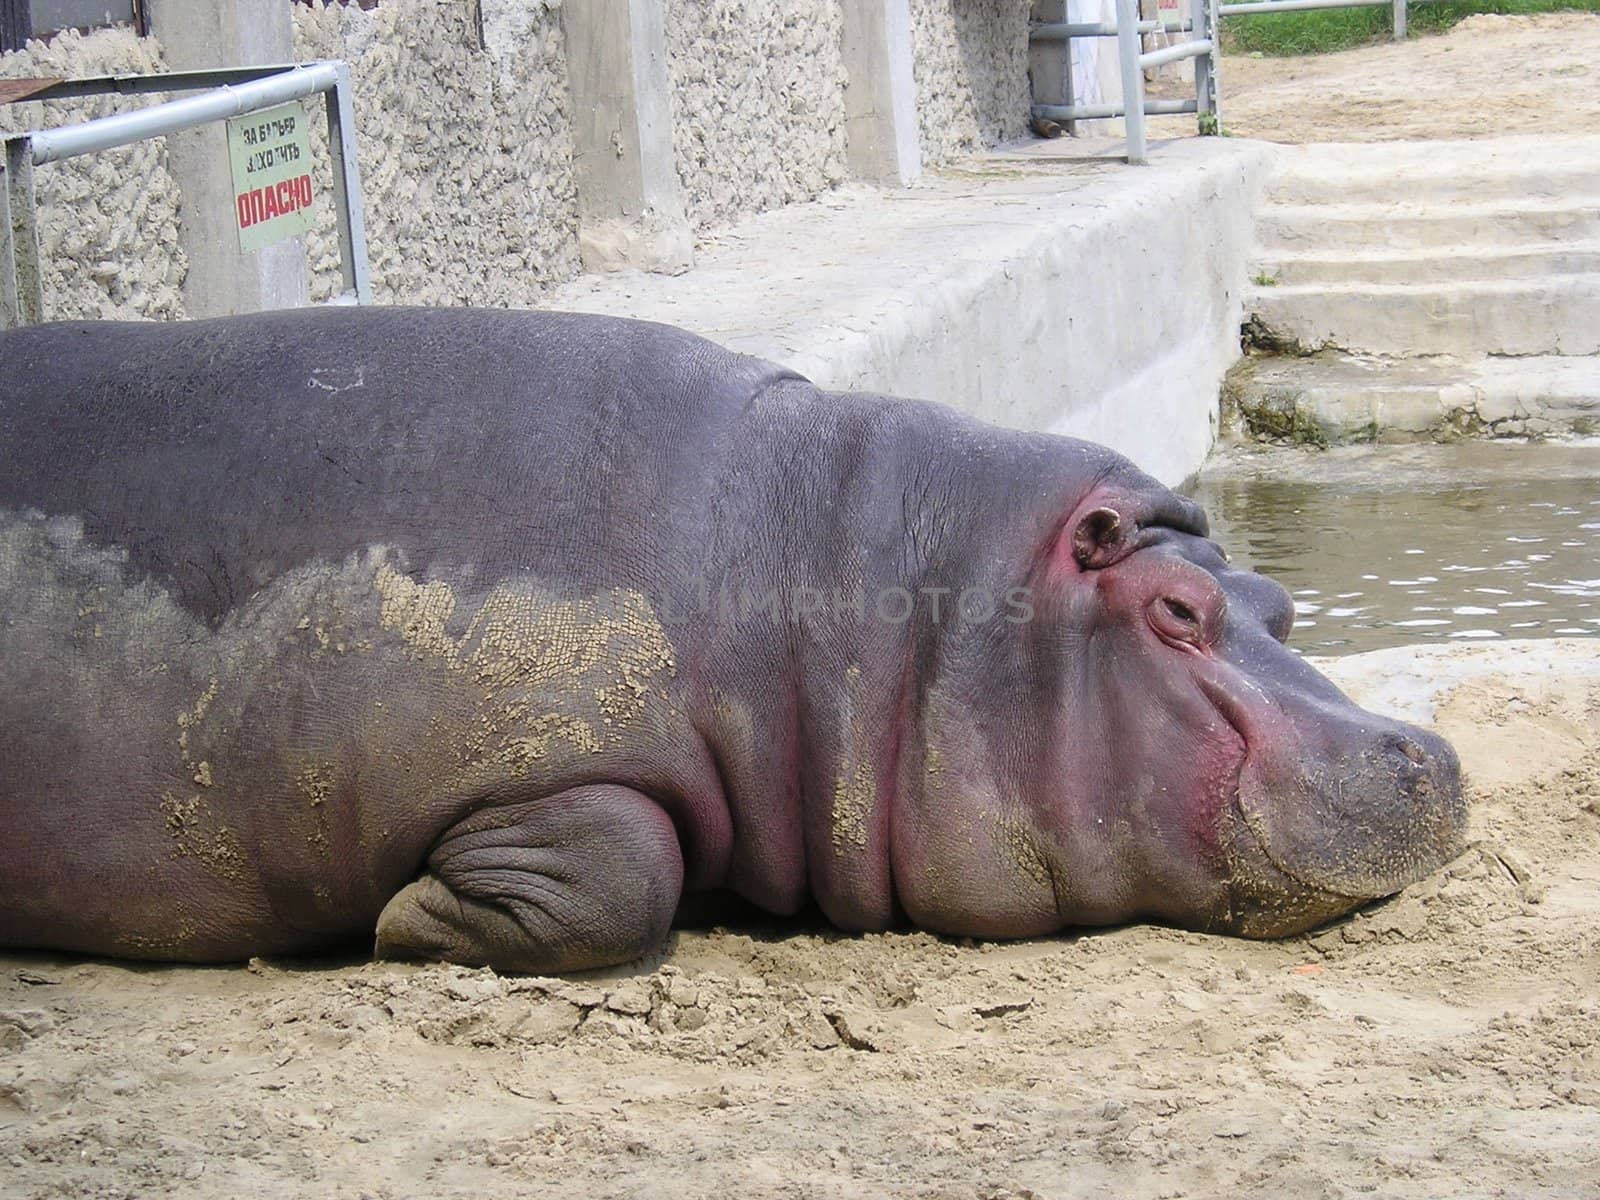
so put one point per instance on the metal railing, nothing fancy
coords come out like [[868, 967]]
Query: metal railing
[[224, 93], [1134, 107], [1254, 7], [1202, 47]]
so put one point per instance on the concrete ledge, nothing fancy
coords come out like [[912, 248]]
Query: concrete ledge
[[1541, 314], [1551, 165], [1039, 289], [1410, 682], [1362, 397], [1405, 225]]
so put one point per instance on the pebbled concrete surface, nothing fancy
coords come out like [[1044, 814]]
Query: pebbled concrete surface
[[465, 149], [757, 104], [108, 223]]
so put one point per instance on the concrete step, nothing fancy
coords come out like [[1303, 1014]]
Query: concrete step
[[1347, 397], [1333, 229], [1468, 172], [1488, 264], [1549, 314]]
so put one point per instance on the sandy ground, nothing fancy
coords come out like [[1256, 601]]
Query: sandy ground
[[1444, 1043], [1488, 76]]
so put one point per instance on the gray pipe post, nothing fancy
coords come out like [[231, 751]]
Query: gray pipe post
[[1251, 7], [1399, 20], [10, 318], [347, 202], [1050, 60], [22, 289], [1207, 103], [1132, 79]]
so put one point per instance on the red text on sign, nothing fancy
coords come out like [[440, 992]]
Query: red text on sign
[[274, 200]]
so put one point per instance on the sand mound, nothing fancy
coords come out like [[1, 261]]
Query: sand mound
[[1489, 76]]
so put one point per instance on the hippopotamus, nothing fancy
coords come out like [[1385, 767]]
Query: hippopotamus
[[490, 636]]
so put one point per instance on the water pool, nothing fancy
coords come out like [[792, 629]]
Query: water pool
[[1384, 545]]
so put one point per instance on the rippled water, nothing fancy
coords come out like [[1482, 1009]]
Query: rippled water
[[1386, 545]]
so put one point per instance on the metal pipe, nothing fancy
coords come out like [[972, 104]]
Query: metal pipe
[[1399, 20], [1092, 112], [10, 310], [26, 282], [166, 81], [1206, 101], [1174, 52], [1132, 78], [21, 294], [1272, 6], [347, 205], [1060, 31], [52, 145]]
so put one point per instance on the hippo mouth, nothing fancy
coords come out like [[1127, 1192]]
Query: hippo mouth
[[1266, 897], [1331, 807]]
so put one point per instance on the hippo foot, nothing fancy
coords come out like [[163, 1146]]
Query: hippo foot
[[586, 878]]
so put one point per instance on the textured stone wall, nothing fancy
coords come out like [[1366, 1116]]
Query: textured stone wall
[[108, 221], [757, 103], [464, 135], [465, 145], [971, 68]]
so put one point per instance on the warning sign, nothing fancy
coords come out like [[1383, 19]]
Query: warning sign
[[271, 156]]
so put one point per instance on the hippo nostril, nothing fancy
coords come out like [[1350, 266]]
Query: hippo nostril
[[1405, 746]]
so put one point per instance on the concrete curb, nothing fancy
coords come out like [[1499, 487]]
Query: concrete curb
[[1040, 289], [1358, 397]]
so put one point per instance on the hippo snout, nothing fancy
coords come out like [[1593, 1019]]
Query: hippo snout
[[1339, 806]]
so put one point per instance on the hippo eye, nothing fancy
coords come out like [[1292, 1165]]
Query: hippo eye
[[1181, 612], [1177, 622]]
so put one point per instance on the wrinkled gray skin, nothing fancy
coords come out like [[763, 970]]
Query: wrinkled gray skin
[[496, 633]]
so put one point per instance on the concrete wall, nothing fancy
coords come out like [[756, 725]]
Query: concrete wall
[[1100, 304], [757, 95], [465, 147], [1091, 301], [1111, 315], [108, 222], [224, 279], [971, 67], [465, 134]]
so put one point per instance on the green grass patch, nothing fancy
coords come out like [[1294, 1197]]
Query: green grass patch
[[1320, 31]]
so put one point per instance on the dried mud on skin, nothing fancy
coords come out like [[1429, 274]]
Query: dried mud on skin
[[1447, 1039]]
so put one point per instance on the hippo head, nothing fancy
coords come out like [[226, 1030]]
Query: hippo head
[[1173, 760], [1268, 801]]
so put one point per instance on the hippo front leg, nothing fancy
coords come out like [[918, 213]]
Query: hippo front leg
[[585, 878]]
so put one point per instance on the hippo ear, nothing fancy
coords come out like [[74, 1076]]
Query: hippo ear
[[1098, 539]]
